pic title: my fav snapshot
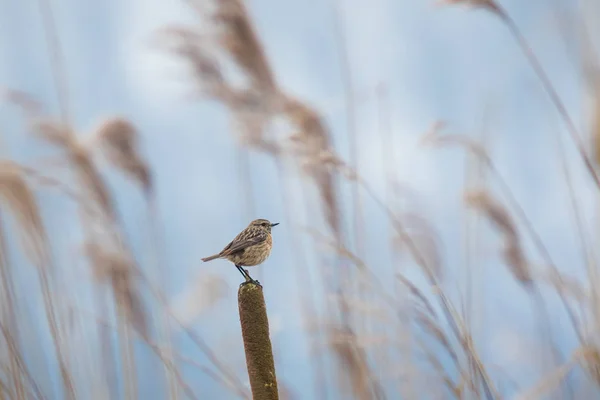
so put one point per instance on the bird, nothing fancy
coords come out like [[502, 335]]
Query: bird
[[249, 248]]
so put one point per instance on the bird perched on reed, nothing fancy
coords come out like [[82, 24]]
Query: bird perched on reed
[[249, 248]]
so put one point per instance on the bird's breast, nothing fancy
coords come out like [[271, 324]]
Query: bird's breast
[[253, 255]]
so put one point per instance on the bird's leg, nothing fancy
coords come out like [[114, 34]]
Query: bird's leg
[[243, 272], [252, 280], [247, 276]]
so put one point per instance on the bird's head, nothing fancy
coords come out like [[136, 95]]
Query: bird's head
[[264, 224]]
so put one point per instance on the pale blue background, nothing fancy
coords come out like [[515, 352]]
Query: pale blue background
[[448, 63]]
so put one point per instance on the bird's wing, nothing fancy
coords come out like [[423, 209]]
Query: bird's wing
[[240, 244]]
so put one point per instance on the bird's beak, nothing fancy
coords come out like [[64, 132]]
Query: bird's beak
[[275, 224]]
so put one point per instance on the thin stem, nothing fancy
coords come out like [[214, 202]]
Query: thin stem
[[8, 312], [198, 341], [56, 59], [160, 269], [554, 97], [449, 312], [349, 95]]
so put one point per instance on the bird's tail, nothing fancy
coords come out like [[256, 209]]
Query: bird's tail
[[211, 258]]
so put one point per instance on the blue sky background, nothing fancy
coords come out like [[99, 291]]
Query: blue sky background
[[437, 63]]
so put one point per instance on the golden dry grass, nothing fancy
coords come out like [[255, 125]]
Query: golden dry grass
[[364, 335]]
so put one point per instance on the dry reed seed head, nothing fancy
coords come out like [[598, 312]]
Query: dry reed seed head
[[354, 364], [364, 341], [53, 132], [307, 121], [240, 39], [513, 253], [433, 138], [252, 107], [514, 257], [194, 49], [433, 134], [79, 156], [126, 295], [428, 246], [19, 198], [430, 325], [252, 115], [271, 147], [117, 269], [253, 112], [566, 284], [118, 133], [440, 377], [91, 179], [591, 361], [105, 263], [424, 237], [30, 106], [419, 296], [495, 212], [119, 140], [310, 141], [326, 160]]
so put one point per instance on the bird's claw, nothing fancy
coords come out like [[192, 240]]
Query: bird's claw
[[253, 281]]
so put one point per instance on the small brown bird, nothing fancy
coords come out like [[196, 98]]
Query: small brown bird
[[251, 247]]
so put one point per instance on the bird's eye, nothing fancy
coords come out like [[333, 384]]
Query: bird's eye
[[265, 224]]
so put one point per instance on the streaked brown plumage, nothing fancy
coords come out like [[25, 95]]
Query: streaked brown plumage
[[249, 248]]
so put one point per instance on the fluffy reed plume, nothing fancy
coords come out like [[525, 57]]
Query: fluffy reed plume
[[80, 157], [361, 381], [119, 270], [566, 285], [95, 190], [261, 100], [186, 43], [119, 141], [251, 107], [312, 145], [424, 236], [254, 105], [499, 216], [350, 348], [240, 40], [233, 32], [552, 381], [591, 363], [20, 200], [118, 138], [9, 325], [426, 315], [418, 296], [433, 137], [29, 105], [428, 320]]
